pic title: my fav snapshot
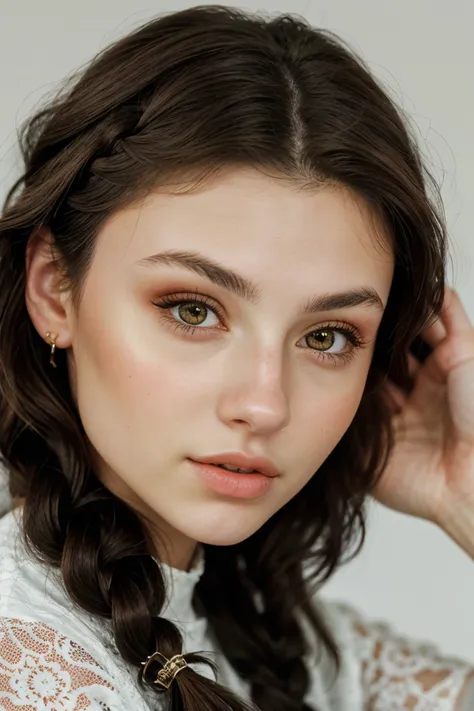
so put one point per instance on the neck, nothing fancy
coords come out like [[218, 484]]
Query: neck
[[180, 555], [169, 545]]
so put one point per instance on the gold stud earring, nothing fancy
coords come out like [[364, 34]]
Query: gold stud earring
[[52, 342]]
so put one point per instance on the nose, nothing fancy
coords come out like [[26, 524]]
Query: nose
[[256, 396]]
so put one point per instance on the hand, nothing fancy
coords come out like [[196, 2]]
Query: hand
[[430, 473]]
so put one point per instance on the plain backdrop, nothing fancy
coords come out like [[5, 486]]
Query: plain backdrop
[[409, 572]]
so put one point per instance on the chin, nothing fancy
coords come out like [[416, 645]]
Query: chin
[[227, 539], [225, 532]]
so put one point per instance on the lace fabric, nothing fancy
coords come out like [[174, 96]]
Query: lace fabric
[[398, 673], [42, 669], [55, 658]]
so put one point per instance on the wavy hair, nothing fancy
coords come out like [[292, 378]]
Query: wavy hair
[[173, 103]]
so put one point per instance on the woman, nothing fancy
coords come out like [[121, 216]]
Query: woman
[[213, 267]]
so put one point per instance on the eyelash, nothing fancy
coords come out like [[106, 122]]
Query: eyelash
[[350, 332]]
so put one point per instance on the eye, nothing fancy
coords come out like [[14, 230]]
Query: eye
[[331, 341], [334, 342], [326, 339], [191, 312]]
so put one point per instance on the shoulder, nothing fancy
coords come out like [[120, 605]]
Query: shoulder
[[47, 641], [41, 667], [25, 583], [386, 664]]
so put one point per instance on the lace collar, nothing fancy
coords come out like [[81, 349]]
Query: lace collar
[[180, 586]]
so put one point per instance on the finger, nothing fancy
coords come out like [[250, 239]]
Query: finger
[[434, 334], [449, 355], [453, 315]]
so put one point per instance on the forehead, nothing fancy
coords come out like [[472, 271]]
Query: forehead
[[262, 226]]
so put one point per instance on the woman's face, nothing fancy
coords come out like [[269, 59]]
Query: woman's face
[[257, 374]]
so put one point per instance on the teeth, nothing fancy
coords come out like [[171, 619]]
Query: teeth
[[235, 469]]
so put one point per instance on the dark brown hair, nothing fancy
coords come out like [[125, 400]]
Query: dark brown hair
[[173, 103]]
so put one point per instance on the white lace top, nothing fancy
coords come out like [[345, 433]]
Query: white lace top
[[54, 657]]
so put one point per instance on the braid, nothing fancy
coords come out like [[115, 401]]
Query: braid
[[102, 549], [265, 646]]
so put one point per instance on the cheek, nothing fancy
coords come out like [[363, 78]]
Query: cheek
[[130, 387], [116, 380], [324, 421], [338, 416]]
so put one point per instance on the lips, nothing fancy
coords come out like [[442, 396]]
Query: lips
[[239, 460], [236, 470], [231, 485]]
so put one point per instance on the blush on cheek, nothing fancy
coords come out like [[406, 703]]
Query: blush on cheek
[[338, 418], [146, 388]]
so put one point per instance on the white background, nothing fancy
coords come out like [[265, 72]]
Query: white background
[[409, 572]]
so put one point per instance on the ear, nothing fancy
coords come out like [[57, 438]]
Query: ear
[[47, 300]]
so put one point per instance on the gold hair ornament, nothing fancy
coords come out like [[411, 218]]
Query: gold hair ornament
[[169, 670], [52, 342]]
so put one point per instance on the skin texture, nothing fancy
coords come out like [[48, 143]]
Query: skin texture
[[252, 379]]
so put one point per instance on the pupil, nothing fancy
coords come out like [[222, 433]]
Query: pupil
[[194, 309], [323, 338]]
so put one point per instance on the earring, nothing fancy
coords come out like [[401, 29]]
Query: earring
[[52, 342]]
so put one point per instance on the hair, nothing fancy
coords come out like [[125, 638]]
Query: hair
[[177, 101]]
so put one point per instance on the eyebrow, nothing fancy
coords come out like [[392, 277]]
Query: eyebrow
[[246, 289]]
